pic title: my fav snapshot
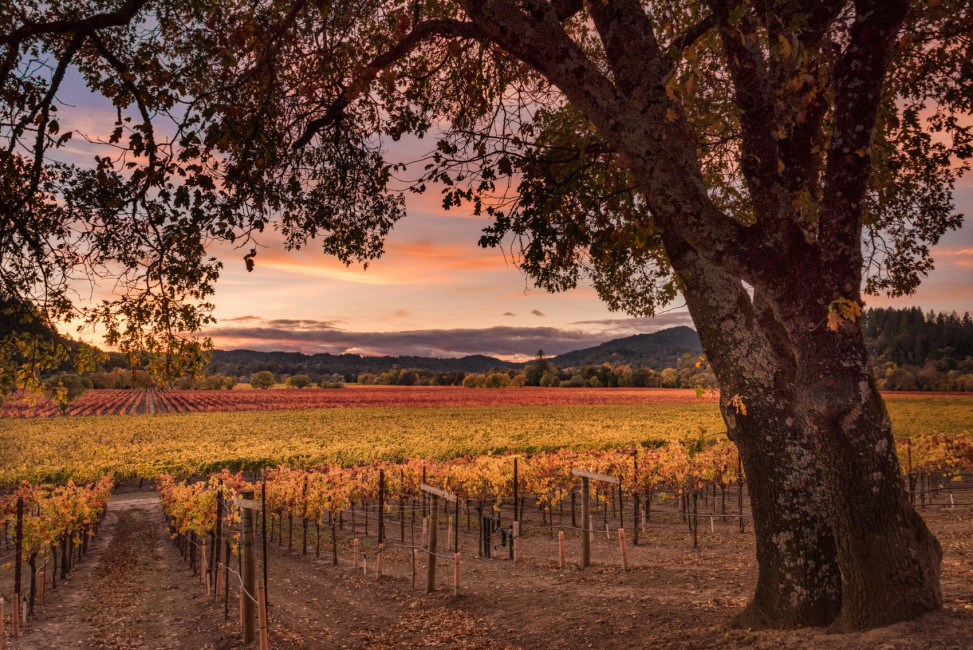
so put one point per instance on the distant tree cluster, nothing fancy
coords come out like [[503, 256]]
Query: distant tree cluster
[[911, 350], [266, 379], [216, 381], [121, 378], [690, 372], [412, 377]]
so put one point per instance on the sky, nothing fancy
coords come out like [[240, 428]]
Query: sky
[[436, 293]]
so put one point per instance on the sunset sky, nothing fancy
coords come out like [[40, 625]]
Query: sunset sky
[[435, 293]]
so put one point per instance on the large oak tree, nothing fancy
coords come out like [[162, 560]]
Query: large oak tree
[[769, 160]]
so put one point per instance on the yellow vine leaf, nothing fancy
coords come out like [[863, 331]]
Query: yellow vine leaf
[[842, 309]]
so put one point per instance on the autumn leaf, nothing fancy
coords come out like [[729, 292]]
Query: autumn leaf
[[834, 321], [842, 309]]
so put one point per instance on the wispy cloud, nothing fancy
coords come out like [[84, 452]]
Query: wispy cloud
[[403, 263], [536, 312], [630, 326], [959, 256]]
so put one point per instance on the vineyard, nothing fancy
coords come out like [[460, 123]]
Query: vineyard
[[147, 401], [255, 500], [348, 495], [384, 523], [47, 528], [153, 400], [141, 447]]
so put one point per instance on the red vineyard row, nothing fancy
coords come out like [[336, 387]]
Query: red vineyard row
[[154, 400]]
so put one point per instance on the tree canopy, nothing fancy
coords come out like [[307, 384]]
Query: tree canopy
[[232, 117]]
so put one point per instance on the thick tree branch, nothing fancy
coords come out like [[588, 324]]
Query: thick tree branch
[[419, 34], [859, 77], [759, 122], [118, 18], [627, 35], [44, 118], [649, 126]]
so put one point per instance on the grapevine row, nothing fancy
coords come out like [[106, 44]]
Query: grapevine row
[[488, 480], [46, 525]]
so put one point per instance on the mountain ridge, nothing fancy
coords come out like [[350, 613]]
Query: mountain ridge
[[657, 350]]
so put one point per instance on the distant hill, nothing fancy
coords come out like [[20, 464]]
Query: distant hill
[[247, 362], [657, 350]]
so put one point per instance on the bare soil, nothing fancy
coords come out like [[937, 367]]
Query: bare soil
[[134, 591]]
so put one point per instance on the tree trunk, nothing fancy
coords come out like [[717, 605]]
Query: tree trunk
[[798, 582], [889, 560]]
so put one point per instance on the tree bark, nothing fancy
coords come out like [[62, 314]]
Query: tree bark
[[889, 560], [798, 581]]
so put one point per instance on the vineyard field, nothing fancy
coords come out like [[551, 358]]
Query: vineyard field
[[152, 401], [155, 401], [144, 446]]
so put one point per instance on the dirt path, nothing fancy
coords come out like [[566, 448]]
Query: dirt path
[[130, 591]]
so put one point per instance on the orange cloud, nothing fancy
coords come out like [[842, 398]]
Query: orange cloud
[[408, 262], [961, 257]]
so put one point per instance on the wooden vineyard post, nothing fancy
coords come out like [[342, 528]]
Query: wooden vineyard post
[[585, 523], [516, 541], [574, 521], [433, 545], [219, 582], [560, 549], [456, 574], [218, 538], [378, 560], [449, 532], [456, 527], [623, 549], [304, 518], [402, 506], [587, 534], [434, 495], [262, 614], [740, 491], [516, 509], [381, 507], [249, 568], [18, 552], [635, 496], [226, 581], [621, 506], [204, 570], [354, 545], [263, 529], [415, 568]]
